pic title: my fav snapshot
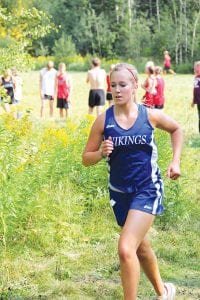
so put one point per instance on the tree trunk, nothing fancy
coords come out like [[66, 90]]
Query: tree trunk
[[194, 34], [130, 14], [186, 29], [176, 52], [95, 22], [150, 8], [176, 32], [134, 8], [117, 13], [181, 32], [158, 14]]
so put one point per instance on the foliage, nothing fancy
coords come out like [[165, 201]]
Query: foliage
[[4, 98], [78, 62], [124, 29], [14, 56], [60, 231], [113, 28], [64, 47], [19, 29], [186, 68], [55, 223], [25, 25]]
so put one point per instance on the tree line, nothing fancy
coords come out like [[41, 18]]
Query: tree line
[[118, 28]]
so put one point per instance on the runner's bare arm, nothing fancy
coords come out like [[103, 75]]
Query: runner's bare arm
[[55, 87], [151, 85], [160, 120], [40, 86], [144, 84], [96, 148], [70, 88]]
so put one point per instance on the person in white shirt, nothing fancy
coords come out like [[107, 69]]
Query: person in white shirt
[[47, 87], [97, 78], [18, 82], [17, 86]]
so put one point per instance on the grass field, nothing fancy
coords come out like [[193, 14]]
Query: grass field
[[178, 97], [58, 235]]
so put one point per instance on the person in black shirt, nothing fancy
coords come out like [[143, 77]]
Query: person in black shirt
[[7, 82], [196, 90]]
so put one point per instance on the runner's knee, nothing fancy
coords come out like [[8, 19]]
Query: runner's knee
[[126, 250]]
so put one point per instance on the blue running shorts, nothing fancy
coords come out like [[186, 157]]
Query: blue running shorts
[[147, 199]]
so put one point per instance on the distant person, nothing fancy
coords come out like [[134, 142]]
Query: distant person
[[159, 98], [149, 85], [109, 97], [47, 87], [17, 86], [17, 90], [167, 63], [63, 90], [96, 77], [8, 83], [196, 90]]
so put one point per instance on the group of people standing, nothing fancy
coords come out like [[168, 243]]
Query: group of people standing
[[55, 85], [154, 87], [58, 85]]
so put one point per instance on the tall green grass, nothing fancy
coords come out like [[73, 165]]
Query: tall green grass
[[58, 236]]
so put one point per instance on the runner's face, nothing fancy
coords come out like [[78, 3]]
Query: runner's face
[[122, 87]]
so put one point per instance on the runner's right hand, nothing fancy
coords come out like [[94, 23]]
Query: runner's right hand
[[107, 147]]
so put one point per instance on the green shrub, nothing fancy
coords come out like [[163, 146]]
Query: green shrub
[[53, 208], [64, 47], [186, 68], [35, 161]]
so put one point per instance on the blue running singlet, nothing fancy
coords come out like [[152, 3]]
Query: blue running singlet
[[133, 162]]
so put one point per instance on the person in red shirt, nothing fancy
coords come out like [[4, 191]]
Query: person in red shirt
[[159, 98], [196, 90], [63, 89], [167, 63], [108, 92], [149, 85]]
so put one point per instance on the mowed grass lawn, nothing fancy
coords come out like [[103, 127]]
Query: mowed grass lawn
[[87, 266]]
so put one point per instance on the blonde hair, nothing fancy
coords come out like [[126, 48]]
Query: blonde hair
[[7, 72], [197, 63], [197, 67], [158, 70], [124, 66], [150, 67], [112, 67], [62, 65], [133, 72]]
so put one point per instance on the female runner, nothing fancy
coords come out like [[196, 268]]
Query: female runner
[[124, 134]]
